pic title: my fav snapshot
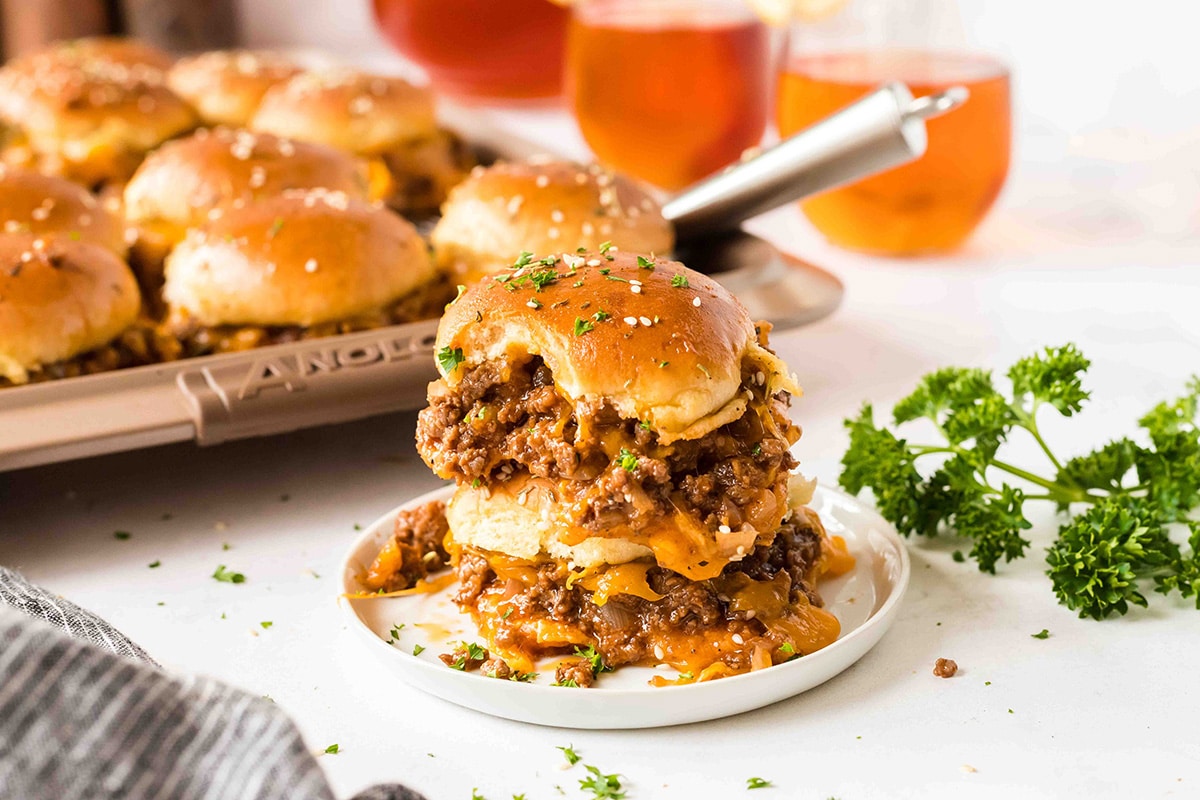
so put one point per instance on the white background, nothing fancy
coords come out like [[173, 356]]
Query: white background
[[1095, 240]]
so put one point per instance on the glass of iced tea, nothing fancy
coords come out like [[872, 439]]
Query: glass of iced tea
[[669, 91], [481, 49], [933, 204]]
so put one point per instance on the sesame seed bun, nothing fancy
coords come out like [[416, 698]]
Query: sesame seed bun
[[349, 110], [90, 121], [180, 184], [115, 50], [543, 206], [668, 354], [298, 259], [226, 86], [59, 298], [43, 204]]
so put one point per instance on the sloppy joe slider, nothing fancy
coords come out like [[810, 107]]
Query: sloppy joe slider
[[185, 182], [619, 435], [543, 205], [303, 264], [65, 307], [386, 119], [43, 204], [226, 86], [89, 120]]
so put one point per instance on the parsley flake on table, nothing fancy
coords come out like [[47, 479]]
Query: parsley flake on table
[[569, 754], [1129, 491], [475, 795], [155, 564], [418, 649], [449, 359], [757, 783], [122, 535], [395, 633], [333, 750], [226, 576], [602, 787], [266, 624], [1042, 634]]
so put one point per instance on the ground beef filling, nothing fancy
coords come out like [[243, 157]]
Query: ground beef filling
[[427, 302], [415, 549], [503, 420], [689, 618], [139, 345]]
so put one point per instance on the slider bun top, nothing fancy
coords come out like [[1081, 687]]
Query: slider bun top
[[226, 86], [113, 50], [669, 356], [544, 206], [301, 258], [349, 110], [91, 111], [179, 184], [43, 204], [59, 298]]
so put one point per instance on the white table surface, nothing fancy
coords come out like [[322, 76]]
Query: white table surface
[[1098, 709]]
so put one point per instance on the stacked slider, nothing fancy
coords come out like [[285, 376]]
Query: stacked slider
[[618, 433]]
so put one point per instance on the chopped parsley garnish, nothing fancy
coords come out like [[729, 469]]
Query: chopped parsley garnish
[[543, 278], [582, 326], [266, 624], [475, 484], [593, 658], [627, 461], [600, 316], [680, 281], [523, 259], [602, 787], [644, 424], [617, 278], [469, 652], [534, 303], [757, 783], [704, 369], [570, 754], [1042, 634], [605, 247], [958, 556], [475, 795], [122, 535], [507, 613], [788, 650], [395, 633], [155, 564], [577, 284], [225, 576], [226, 546], [663, 364], [276, 227], [605, 270], [461, 291], [645, 263], [523, 677], [687, 676], [357, 526], [568, 683], [450, 359], [332, 750], [418, 649]]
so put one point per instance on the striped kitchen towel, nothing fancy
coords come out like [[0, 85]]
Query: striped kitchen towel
[[86, 714]]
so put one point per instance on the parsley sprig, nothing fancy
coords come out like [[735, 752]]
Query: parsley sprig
[[1129, 491]]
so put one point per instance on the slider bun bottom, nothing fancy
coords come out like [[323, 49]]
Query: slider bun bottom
[[503, 524]]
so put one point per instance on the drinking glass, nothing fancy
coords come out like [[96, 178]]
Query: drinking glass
[[934, 203], [481, 49], [668, 91]]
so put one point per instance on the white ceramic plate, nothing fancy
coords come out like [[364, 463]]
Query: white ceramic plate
[[865, 601]]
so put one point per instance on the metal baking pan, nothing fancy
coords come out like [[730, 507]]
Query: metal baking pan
[[286, 387]]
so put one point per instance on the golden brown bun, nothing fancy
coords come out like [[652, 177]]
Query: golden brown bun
[[114, 50], [352, 111], [226, 86], [180, 184], [90, 121], [43, 204], [297, 259], [657, 357], [59, 298], [543, 206]]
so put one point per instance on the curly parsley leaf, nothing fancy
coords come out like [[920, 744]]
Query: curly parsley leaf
[[602, 787], [449, 359]]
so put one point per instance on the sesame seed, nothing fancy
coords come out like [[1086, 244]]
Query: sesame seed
[[534, 304], [594, 262], [514, 204], [658, 652], [557, 216], [696, 302], [635, 289], [310, 265], [631, 321], [646, 321], [737, 639], [635, 282], [751, 614], [724, 529], [542, 181]]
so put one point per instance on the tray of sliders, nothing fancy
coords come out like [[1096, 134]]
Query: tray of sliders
[[230, 245]]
